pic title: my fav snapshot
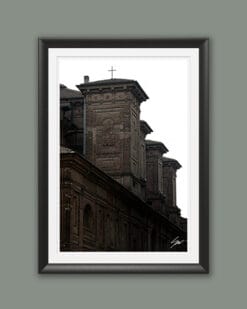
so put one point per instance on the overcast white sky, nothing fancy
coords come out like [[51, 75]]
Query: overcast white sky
[[165, 80]]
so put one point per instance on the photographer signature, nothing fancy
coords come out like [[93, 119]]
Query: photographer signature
[[176, 242]]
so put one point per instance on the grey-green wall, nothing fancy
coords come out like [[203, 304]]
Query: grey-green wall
[[21, 23]]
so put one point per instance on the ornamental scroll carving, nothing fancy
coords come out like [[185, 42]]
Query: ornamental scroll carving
[[107, 139]]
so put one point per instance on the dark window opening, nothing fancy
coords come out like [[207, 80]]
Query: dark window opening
[[88, 217]]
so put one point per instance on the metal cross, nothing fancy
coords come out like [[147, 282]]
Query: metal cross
[[111, 72]]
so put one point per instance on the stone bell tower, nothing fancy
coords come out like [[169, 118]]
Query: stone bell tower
[[113, 128]]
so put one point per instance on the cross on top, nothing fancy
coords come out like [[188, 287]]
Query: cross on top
[[111, 70]]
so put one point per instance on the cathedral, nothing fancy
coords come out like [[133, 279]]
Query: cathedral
[[118, 188]]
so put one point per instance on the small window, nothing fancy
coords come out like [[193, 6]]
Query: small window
[[88, 217]]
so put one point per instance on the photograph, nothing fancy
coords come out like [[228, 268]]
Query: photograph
[[110, 112], [123, 141]]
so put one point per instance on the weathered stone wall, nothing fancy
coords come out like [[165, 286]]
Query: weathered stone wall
[[97, 213], [113, 136], [103, 215]]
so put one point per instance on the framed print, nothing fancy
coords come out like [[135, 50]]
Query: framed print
[[123, 156]]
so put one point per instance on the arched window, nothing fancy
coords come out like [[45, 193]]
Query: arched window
[[88, 217]]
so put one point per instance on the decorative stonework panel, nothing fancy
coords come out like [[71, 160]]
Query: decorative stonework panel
[[107, 117], [107, 144], [108, 164], [107, 96]]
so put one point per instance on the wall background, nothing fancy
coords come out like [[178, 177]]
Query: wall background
[[21, 23]]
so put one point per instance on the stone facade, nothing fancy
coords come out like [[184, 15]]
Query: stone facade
[[118, 192], [113, 129], [99, 214]]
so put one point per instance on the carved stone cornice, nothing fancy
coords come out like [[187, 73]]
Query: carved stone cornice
[[145, 128], [168, 162], [153, 145], [114, 85]]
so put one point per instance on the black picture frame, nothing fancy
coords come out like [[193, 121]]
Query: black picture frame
[[43, 46]]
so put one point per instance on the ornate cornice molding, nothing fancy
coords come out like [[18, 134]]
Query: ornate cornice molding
[[113, 85]]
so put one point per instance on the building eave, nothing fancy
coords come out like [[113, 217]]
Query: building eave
[[112, 84], [154, 145]]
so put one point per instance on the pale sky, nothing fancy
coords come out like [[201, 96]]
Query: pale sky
[[165, 81]]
